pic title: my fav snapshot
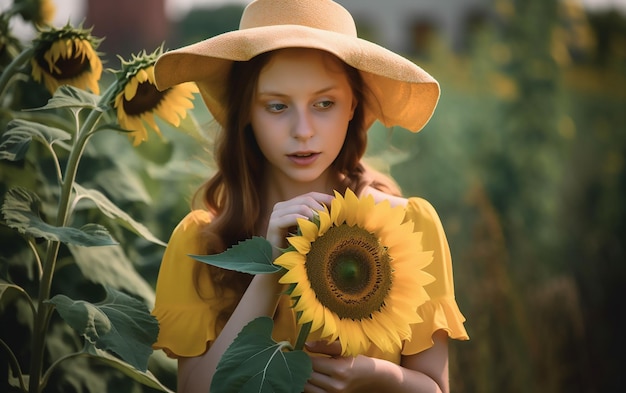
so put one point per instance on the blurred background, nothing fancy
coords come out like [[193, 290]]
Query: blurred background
[[524, 160]]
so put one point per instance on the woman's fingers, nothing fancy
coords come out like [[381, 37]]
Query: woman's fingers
[[303, 204], [285, 215], [323, 347]]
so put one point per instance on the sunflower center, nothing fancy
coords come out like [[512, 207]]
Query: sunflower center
[[349, 271], [67, 67], [146, 99]]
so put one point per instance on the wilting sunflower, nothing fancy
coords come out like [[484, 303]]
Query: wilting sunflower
[[40, 12], [356, 274], [139, 99], [67, 56]]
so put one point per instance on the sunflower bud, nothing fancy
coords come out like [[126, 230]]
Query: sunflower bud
[[67, 56], [138, 100]]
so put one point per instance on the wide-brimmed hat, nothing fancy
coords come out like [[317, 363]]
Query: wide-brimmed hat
[[398, 93]]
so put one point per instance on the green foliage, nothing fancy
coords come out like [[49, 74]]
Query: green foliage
[[256, 363], [253, 256], [20, 133], [119, 323], [523, 160], [21, 212], [71, 279]]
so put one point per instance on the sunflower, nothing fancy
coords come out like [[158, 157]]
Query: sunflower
[[356, 274], [67, 56], [139, 99], [40, 12]]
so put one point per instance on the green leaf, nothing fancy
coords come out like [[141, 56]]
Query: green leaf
[[71, 97], [21, 212], [110, 267], [20, 133], [120, 324], [256, 363], [112, 127], [112, 211], [9, 293], [252, 256], [144, 377]]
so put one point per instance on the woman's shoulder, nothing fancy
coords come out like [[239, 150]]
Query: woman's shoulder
[[190, 227], [416, 207], [195, 219], [380, 196]]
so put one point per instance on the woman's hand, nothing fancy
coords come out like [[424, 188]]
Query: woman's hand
[[426, 371], [334, 373], [285, 214]]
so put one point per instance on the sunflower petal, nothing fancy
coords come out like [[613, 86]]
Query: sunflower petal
[[325, 222], [130, 90], [337, 214], [309, 229], [351, 207], [330, 325], [300, 243], [294, 275], [289, 260]]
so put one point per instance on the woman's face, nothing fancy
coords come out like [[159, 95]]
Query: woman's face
[[300, 113]]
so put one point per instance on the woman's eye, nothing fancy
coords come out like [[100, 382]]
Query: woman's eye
[[324, 104], [276, 107]]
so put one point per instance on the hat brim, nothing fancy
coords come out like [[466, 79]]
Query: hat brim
[[400, 93]]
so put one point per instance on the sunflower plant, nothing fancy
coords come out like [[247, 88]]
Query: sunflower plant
[[71, 277], [355, 273]]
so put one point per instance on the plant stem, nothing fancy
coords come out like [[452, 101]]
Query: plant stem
[[13, 66], [44, 310], [14, 365], [302, 335]]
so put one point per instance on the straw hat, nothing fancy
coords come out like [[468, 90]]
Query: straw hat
[[399, 92]]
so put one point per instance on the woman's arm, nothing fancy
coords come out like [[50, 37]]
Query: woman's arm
[[260, 299], [426, 371]]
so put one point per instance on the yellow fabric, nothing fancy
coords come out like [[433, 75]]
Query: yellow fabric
[[187, 321]]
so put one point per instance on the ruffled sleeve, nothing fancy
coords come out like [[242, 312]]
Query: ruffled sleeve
[[186, 320], [441, 311]]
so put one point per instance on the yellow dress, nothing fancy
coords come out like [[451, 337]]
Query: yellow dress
[[187, 320]]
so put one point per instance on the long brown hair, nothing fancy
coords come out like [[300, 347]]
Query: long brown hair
[[232, 194]]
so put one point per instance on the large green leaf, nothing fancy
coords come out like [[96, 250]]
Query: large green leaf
[[111, 267], [112, 211], [20, 133], [21, 212], [71, 97], [120, 324], [256, 363], [144, 377], [252, 256]]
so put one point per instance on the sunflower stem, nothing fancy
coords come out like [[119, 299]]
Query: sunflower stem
[[302, 335], [45, 309], [11, 69]]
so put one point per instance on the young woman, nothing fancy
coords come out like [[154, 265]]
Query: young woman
[[295, 92]]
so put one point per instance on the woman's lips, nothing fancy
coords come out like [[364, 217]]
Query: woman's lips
[[303, 158]]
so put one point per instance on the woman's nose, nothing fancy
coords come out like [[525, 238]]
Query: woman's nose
[[302, 128]]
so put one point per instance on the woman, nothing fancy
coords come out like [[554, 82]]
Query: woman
[[295, 92]]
